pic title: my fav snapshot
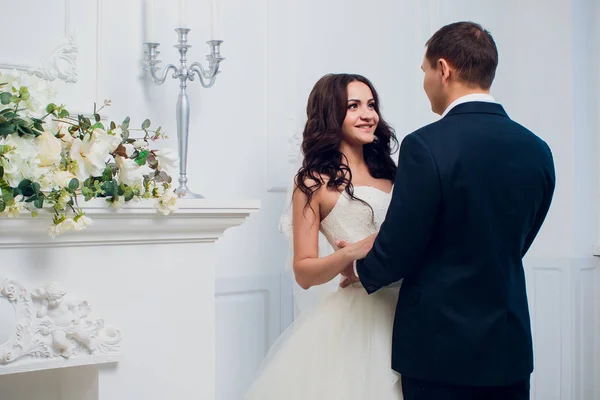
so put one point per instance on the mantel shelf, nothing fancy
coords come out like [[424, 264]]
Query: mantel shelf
[[195, 221], [46, 364]]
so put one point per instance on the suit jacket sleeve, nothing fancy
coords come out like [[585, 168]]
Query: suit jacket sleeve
[[550, 183], [407, 228]]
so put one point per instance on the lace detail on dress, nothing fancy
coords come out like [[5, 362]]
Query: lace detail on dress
[[351, 220]]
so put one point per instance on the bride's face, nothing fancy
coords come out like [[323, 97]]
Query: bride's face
[[361, 117]]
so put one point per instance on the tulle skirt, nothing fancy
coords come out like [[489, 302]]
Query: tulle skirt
[[339, 350]]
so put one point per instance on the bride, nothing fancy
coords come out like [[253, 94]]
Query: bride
[[342, 348]]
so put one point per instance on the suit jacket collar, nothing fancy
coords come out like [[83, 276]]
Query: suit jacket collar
[[478, 107]]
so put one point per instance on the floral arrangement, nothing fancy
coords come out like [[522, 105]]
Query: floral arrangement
[[52, 160]]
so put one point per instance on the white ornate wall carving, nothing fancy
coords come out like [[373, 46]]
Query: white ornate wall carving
[[52, 325], [62, 44], [56, 62]]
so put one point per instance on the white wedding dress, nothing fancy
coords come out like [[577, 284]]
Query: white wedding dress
[[342, 348]]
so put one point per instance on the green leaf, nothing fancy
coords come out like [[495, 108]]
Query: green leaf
[[63, 113], [141, 158], [162, 176], [125, 124], [7, 197], [73, 184], [128, 193], [38, 127], [24, 93], [87, 192], [146, 124], [10, 114], [97, 125], [97, 117], [39, 202], [50, 108], [25, 188], [152, 161], [113, 126], [24, 130], [109, 188], [83, 121], [5, 97], [121, 190], [7, 129], [36, 187], [107, 175], [1, 167], [2, 206]]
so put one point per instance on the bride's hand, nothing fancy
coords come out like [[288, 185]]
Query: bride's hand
[[358, 250]]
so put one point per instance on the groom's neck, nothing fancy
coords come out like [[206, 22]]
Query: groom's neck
[[461, 90]]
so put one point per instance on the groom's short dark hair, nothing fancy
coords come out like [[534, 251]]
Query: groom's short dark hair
[[467, 47]]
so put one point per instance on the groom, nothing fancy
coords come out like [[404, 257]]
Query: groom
[[471, 193]]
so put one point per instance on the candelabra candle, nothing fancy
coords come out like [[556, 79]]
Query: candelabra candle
[[206, 77]]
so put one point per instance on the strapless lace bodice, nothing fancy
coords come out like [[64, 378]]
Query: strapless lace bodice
[[351, 220]]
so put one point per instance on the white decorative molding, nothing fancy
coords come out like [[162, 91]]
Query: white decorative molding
[[564, 317], [61, 62], [294, 141], [196, 221], [261, 307], [50, 326]]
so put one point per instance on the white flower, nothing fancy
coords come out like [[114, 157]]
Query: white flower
[[41, 92], [46, 181], [62, 178], [167, 203], [16, 208], [129, 149], [66, 136], [82, 222], [21, 162], [156, 189], [49, 148], [90, 154], [65, 225], [130, 173], [167, 159], [117, 138], [140, 143], [54, 230]]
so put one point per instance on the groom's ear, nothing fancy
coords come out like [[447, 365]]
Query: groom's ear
[[444, 68]]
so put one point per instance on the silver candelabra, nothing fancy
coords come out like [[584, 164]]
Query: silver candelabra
[[206, 76]]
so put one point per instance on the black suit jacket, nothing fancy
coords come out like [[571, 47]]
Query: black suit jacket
[[470, 195]]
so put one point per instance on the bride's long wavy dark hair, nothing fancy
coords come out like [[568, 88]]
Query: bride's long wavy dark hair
[[323, 162]]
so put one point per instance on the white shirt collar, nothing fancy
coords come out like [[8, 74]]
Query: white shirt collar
[[470, 97]]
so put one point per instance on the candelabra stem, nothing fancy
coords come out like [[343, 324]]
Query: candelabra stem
[[183, 127], [183, 73]]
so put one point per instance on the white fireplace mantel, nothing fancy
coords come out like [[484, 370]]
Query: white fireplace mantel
[[195, 221], [137, 275]]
